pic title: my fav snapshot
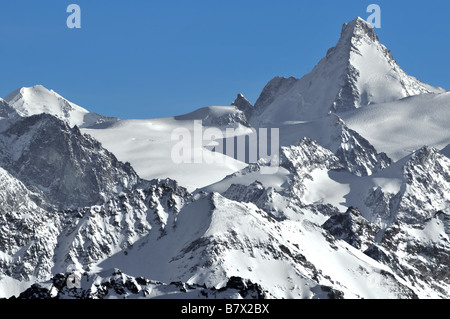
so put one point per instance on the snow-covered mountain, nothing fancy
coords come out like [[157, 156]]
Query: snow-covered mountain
[[359, 71], [35, 100], [69, 168], [359, 206]]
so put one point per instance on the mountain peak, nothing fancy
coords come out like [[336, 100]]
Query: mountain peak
[[359, 71], [28, 101], [355, 30], [38, 99], [243, 104], [28, 91]]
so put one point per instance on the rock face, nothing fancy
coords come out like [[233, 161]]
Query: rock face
[[68, 168], [352, 228], [307, 156], [357, 154], [243, 104], [427, 176], [119, 285], [424, 190], [37, 244], [6, 110]]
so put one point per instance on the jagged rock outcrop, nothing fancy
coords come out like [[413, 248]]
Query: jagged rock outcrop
[[424, 189], [70, 169], [357, 154], [352, 228], [122, 286], [243, 104]]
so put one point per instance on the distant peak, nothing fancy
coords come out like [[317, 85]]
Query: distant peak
[[240, 98], [243, 104]]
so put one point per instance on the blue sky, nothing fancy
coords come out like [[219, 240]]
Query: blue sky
[[145, 58]]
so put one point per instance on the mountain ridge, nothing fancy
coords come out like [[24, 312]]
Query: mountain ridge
[[343, 77], [337, 219], [28, 101]]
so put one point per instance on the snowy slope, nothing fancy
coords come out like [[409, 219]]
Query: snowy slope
[[446, 151], [411, 190], [383, 109], [35, 100], [401, 127], [148, 145], [405, 207], [216, 238]]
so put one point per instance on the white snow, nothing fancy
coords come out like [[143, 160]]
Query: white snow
[[34, 100], [401, 127], [13, 287], [148, 145], [276, 181], [322, 189]]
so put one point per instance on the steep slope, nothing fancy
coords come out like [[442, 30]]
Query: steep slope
[[424, 190], [403, 222], [358, 71], [216, 238], [37, 244], [35, 100], [70, 169], [6, 110], [28, 232], [446, 151], [417, 253], [355, 152], [243, 104]]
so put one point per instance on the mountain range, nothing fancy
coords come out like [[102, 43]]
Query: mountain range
[[359, 206]]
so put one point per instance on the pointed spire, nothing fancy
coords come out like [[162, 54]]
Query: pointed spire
[[357, 29], [243, 104]]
